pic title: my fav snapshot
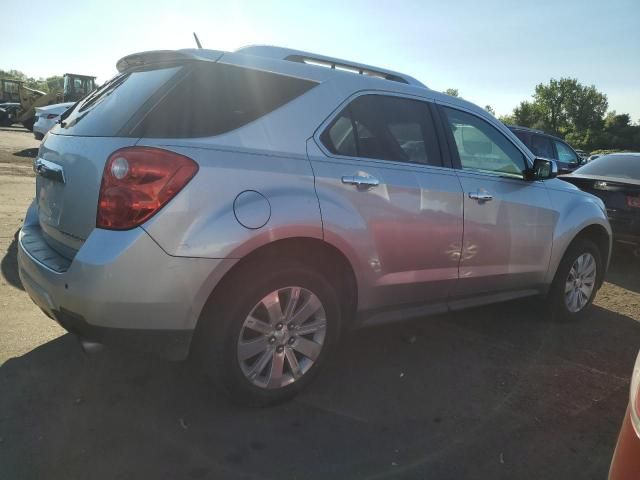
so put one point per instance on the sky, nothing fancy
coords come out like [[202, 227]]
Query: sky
[[494, 52]]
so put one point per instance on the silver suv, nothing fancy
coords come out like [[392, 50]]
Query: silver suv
[[248, 207]]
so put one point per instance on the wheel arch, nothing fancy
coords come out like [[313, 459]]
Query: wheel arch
[[600, 236], [312, 252]]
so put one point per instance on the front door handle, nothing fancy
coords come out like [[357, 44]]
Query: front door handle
[[361, 181], [481, 196]]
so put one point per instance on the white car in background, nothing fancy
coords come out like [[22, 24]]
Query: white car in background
[[47, 117]]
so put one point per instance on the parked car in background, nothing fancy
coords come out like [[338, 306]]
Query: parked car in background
[[47, 117], [9, 113], [547, 146], [250, 206], [582, 155], [615, 178], [625, 464]]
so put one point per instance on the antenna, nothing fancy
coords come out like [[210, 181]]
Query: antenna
[[197, 41]]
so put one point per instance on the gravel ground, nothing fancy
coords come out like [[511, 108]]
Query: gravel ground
[[494, 392]]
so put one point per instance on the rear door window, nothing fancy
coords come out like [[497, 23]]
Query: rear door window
[[385, 128], [197, 99], [541, 147]]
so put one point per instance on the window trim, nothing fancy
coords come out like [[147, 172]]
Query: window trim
[[429, 103], [453, 149]]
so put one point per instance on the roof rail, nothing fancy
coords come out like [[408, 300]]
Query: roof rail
[[298, 56]]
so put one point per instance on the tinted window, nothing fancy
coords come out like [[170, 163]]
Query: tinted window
[[482, 147], [565, 154], [341, 136], [522, 136], [107, 110], [192, 100], [214, 98], [541, 146], [618, 165], [386, 128]]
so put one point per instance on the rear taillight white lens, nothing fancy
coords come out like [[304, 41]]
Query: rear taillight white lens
[[119, 168], [634, 399], [139, 181]]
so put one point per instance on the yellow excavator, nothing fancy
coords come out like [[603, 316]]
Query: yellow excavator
[[74, 88]]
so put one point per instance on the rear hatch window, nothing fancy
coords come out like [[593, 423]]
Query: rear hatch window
[[196, 99]]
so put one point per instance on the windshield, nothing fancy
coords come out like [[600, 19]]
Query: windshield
[[616, 165]]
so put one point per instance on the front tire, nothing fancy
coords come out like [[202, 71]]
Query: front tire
[[266, 335], [577, 281]]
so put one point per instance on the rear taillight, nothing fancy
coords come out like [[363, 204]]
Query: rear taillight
[[633, 202], [139, 181], [51, 116], [634, 403]]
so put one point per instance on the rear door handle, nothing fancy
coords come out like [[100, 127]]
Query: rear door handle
[[361, 181], [481, 196]]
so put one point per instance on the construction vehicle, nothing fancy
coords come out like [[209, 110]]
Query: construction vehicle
[[74, 88]]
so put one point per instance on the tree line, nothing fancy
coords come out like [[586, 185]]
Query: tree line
[[46, 85], [575, 112]]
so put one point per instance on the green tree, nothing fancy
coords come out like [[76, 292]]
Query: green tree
[[527, 114], [452, 91], [490, 109], [566, 105], [55, 83]]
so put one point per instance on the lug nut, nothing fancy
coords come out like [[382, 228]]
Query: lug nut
[[292, 340], [272, 339], [291, 326], [280, 349], [279, 326]]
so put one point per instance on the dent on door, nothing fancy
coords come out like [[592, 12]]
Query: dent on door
[[401, 228]]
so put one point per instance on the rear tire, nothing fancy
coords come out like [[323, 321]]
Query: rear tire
[[28, 124], [247, 313], [577, 281]]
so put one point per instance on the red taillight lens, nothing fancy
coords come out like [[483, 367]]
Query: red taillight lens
[[139, 181], [51, 115], [633, 202]]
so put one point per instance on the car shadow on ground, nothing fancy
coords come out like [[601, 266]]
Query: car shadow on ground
[[9, 264], [27, 153], [495, 392], [625, 270]]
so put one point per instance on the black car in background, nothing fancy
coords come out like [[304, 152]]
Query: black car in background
[[615, 178], [8, 112], [547, 146]]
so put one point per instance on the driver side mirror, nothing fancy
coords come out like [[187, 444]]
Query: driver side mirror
[[543, 169]]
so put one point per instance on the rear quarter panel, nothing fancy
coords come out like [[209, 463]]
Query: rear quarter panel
[[201, 222]]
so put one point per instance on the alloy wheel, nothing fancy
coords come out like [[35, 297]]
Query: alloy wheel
[[282, 337], [580, 283]]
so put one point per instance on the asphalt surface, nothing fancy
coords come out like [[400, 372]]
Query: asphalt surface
[[500, 392]]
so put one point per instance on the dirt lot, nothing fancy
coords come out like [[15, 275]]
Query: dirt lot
[[496, 392]]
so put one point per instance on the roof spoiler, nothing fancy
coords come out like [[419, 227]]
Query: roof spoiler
[[159, 57]]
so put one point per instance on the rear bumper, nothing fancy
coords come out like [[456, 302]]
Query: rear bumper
[[626, 227], [41, 127], [121, 287]]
